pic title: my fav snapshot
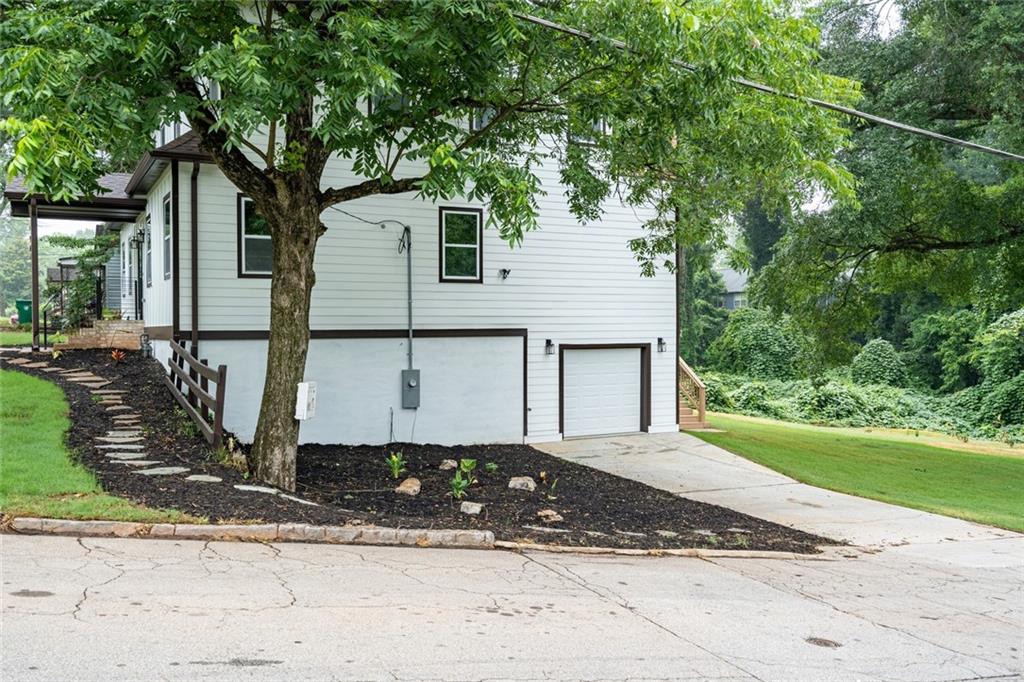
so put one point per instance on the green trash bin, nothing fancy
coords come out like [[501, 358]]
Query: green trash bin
[[24, 310]]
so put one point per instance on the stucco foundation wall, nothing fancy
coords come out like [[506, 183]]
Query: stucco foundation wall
[[471, 389]]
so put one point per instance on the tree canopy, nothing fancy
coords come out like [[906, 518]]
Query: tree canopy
[[390, 86]]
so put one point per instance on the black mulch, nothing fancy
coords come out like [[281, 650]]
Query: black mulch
[[352, 484]]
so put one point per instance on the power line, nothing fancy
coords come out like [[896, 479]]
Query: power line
[[849, 111]]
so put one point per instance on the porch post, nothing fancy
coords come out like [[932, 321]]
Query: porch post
[[33, 220]]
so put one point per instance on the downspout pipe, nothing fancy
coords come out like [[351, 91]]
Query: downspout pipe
[[193, 197], [407, 238]]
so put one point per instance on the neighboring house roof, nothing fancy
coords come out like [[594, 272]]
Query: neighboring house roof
[[114, 204], [735, 280], [152, 164]]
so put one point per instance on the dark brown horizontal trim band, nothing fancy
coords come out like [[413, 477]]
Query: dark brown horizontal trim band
[[164, 333], [262, 334]]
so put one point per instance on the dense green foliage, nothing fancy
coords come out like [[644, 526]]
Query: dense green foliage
[[753, 342], [878, 363], [982, 486]]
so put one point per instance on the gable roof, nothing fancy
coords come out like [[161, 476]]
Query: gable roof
[[735, 280]]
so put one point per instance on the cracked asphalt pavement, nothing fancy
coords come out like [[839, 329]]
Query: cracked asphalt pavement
[[130, 609]]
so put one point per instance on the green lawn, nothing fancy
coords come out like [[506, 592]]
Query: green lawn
[[984, 484], [37, 475], [25, 338]]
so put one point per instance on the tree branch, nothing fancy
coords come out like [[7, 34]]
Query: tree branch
[[332, 196]]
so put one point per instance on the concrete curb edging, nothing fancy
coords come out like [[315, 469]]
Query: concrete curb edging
[[827, 554], [371, 535], [264, 532]]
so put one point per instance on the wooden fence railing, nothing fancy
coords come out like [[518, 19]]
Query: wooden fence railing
[[693, 389], [191, 388]]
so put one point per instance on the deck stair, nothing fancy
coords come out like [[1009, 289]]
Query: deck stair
[[692, 399]]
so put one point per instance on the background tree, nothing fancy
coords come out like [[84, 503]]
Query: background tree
[[88, 82], [933, 220], [761, 228]]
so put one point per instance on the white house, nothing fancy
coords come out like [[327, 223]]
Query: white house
[[558, 338]]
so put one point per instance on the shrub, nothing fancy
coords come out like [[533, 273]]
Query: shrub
[[754, 398], [878, 363], [832, 402], [757, 344], [940, 349], [1000, 348], [1004, 403], [715, 394]]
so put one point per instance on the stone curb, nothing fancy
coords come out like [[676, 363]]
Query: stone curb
[[827, 553], [264, 532]]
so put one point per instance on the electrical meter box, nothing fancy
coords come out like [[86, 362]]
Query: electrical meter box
[[410, 388], [305, 400]]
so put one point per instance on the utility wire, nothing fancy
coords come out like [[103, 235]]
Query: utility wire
[[849, 111]]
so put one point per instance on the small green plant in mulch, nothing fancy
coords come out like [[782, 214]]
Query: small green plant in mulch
[[96, 398], [491, 467], [551, 491], [396, 463], [459, 485], [185, 426], [467, 467]]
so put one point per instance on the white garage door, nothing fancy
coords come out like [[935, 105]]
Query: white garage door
[[601, 391]]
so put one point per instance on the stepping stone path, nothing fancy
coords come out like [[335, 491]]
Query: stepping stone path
[[257, 489], [203, 478], [118, 447], [119, 440], [162, 471], [137, 462], [126, 455]]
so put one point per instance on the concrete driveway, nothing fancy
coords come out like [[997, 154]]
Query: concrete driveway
[[935, 599]]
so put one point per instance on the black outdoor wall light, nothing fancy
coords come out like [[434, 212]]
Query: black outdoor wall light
[[662, 346], [549, 347]]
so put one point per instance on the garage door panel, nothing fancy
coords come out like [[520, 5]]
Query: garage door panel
[[601, 391]]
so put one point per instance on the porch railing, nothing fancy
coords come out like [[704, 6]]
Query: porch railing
[[692, 389], [191, 388]]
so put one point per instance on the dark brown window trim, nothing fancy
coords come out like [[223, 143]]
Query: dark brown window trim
[[645, 378], [238, 220], [166, 203], [480, 245]]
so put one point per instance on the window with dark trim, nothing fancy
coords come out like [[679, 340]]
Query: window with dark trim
[[391, 102], [167, 236], [461, 244], [255, 248], [598, 128], [479, 118], [149, 252]]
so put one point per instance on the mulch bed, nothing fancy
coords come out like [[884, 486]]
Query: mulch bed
[[352, 484]]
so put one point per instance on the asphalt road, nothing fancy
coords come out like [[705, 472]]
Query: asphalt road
[[113, 609]]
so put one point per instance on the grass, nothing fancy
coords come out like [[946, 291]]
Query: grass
[[19, 338], [978, 484], [37, 474]]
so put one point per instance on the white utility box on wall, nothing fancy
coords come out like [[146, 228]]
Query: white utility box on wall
[[305, 400]]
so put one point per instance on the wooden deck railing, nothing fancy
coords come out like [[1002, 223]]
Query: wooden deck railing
[[191, 389], [692, 389]]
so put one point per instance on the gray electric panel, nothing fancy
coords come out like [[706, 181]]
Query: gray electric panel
[[410, 388]]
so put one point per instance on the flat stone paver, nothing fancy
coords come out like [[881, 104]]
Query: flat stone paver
[[203, 478], [138, 454], [137, 462], [118, 408], [124, 439], [119, 446], [36, 365], [162, 471], [50, 370], [257, 489], [107, 392], [96, 385]]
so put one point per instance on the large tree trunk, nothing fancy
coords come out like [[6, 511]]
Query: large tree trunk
[[295, 227]]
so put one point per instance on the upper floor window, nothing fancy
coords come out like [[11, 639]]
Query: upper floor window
[[149, 252], [255, 248], [479, 118], [167, 236], [598, 128], [389, 102], [461, 242]]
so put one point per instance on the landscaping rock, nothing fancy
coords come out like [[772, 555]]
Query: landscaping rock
[[542, 529], [299, 500], [667, 533], [410, 486], [522, 483], [471, 508], [162, 471], [204, 478], [549, 516], [448, 464], [737, 530], [257, 489], [301, 532]]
